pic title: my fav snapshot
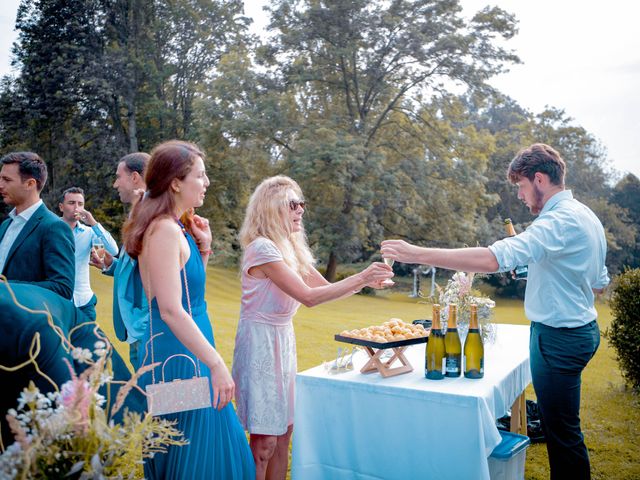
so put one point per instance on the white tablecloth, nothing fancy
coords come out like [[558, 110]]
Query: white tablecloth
[[356, 426]]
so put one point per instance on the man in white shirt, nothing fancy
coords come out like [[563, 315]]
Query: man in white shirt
[[87, 232], [35, 245], [565, 248]]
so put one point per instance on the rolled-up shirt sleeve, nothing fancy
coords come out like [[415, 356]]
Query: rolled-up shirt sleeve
[[603, 280], [532, 245]]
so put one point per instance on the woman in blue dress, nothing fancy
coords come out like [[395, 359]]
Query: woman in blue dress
[[171, 258]]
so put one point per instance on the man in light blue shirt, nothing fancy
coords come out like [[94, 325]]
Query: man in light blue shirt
[[87, 232], [565, 249]]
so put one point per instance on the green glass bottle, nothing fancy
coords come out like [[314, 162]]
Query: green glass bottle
[[452, 344], [473, 348], [435, 351]]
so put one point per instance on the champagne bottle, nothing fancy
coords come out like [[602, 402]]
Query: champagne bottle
[[473, 348], [521, 271], [452, 344], [435, 351]]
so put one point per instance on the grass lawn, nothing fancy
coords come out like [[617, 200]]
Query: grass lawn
[[610, 413]]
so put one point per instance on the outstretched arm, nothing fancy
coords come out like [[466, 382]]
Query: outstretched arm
[[475, 259], [317, 290]]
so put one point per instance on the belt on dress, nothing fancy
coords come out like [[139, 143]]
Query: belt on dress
[[278, 319]]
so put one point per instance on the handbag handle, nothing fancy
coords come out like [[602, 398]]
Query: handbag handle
[[186, 288], [196, 369]]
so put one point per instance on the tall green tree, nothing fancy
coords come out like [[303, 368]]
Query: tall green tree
[[130, 50], [191, 36], [352, 66], [100, 78], [626, 195], [54, 104]]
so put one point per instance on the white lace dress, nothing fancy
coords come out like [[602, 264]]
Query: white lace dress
[[264, 358]]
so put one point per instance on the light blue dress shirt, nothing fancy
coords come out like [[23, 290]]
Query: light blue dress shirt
[[18, 221], [84, 236], [565, 249]]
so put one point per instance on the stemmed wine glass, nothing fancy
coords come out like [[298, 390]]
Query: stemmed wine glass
[[390, 262], [463, 327], [98, 246]]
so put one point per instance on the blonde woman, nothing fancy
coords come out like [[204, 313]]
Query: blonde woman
[[278, 275]]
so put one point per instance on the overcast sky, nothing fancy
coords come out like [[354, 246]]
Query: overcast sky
[[581, 56]]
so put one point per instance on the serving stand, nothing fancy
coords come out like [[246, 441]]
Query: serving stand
[[376, 350]]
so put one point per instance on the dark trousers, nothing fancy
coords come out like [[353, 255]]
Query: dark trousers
[[89, 308], [557, 357]]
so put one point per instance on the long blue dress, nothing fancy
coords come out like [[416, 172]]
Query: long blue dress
[[218, 447]]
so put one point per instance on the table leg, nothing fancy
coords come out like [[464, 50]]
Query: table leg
[[519, 415]]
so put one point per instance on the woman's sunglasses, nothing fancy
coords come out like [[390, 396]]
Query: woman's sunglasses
[[294, 204]]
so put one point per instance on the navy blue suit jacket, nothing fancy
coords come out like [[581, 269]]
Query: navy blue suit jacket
[[43, 254]]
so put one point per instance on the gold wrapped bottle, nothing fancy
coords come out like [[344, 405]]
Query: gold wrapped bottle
[[435, 351], [473, 348], [452, 344]]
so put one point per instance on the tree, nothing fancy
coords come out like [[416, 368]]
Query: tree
[[626, 195], [352, 67], [57, 93], [191, 36], [100, 78]]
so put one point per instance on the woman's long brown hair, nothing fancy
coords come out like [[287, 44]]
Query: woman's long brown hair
[[169, 160]]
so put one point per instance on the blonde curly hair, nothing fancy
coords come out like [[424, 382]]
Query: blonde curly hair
[[267, 216]]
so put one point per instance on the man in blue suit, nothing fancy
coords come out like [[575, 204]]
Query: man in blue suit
[[36, 246]]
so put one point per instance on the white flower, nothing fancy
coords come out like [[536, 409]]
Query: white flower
[[100, 400], [83, 355], [105, 378], [26, 397], [43, 402], [99, 344], [53, 396]]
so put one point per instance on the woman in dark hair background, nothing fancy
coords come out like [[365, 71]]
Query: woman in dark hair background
[[172, 259]]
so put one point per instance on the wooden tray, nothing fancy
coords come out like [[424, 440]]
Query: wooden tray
[[375, 350], [368, 343]]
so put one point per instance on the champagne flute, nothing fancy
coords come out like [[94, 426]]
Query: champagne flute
[[98, 247], [388, 261], [463, 327]]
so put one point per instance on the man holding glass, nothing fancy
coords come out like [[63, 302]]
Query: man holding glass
[[88, 235], [130, 309], [565, 248]]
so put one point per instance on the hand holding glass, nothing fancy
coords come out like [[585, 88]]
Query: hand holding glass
[[388, 282], [98, 247]]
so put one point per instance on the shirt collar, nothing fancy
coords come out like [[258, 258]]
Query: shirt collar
[[27, 213], [555, 199], [80, 226]]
